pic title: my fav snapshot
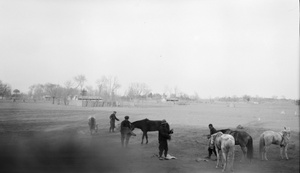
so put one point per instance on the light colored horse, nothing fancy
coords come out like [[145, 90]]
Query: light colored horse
[[92, 124], [278, 138], [225, 143]]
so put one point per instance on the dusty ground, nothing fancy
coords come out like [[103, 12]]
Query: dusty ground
[[40, 137]]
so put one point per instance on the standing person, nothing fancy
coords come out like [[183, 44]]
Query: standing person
[[163, 137], [212, 131], [113, 118], [125, 131]]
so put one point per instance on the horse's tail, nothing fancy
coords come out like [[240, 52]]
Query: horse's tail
[[250, 148], [261, 143]]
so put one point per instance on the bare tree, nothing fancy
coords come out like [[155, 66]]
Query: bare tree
[[68, 84], [36, 91], [90, 90], [52, 90], [102, 85], [196, 96], [136, 90], [108, 87], [114, 86], [80, 80], [5, 89], [246, 98]]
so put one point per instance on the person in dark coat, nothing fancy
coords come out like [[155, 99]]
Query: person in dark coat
[[113, 118], [125, 131], [163, 137], [212, 131]]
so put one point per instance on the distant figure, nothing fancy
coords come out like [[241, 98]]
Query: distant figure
[[163, 137], [113, 119], [92, 124], [126, 131]]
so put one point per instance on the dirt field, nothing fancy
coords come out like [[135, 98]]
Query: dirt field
[[40, 137]]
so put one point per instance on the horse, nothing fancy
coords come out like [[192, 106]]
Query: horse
[[225, 143], [146, 125], [277, 138], [245, 141], [225, 131], [92, 124]]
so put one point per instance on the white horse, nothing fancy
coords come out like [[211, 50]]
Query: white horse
[[278, 138], [225, 143], [92, 124]]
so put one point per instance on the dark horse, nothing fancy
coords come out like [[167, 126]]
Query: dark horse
[[146, 125], [244, 140]]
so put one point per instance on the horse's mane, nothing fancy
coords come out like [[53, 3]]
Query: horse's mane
[[146, 119], [216, 135], [225, 131]]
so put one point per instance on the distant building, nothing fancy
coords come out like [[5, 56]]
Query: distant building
[[89, 98], [47, 97], [172, 99]]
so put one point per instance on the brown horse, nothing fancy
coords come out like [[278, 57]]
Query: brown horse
[[146, 125], [245, 141]]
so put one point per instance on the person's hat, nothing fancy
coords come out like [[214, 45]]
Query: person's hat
[[114, 112], [126, 117], [163, 121], [210, 125]]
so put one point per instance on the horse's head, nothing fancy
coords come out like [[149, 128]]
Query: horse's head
[[132, 127], [132, 134], [211, 142], [213, 138]]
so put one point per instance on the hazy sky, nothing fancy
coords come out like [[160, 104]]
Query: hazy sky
[[212, 47]]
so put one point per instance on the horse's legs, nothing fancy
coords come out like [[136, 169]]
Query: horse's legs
[[146, 138], [265, 152], [225, 154], [281, 150], [218, 158], [231, 161], [143, 138], [285, 151], [244, 149], [262, 153]]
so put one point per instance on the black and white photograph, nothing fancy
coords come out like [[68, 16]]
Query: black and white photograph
[[140, 86]]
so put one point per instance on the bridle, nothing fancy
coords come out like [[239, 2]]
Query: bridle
[[211, 141], [283, 136]]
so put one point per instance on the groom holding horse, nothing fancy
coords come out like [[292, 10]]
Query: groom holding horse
[[213, 131], [211, 150], [163, 137], [126, 131]]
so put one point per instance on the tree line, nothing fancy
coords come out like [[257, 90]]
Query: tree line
[[107, 87]]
